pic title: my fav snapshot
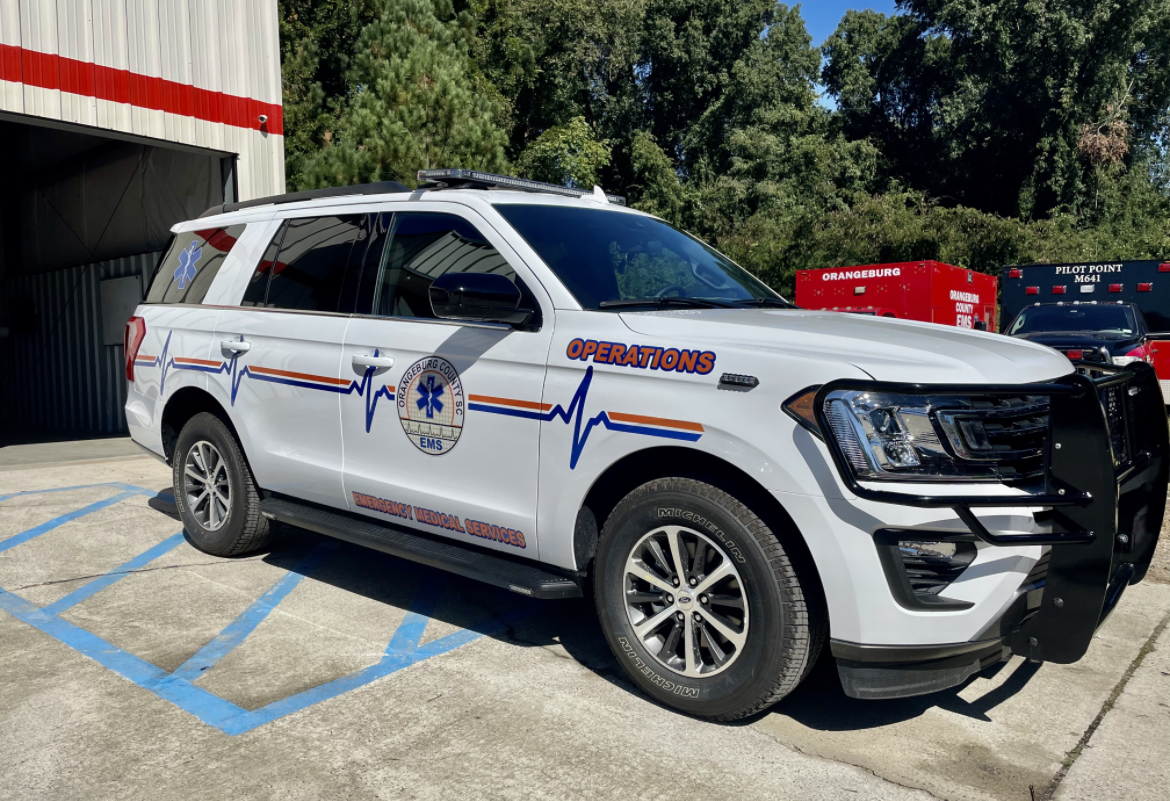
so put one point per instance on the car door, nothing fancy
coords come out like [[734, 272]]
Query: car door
[[281, 355], [445, 436]]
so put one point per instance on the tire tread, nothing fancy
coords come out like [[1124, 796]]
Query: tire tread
[[256, 532], [806, 629]]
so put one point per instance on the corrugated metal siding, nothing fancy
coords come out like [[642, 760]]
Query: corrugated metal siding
[[62, 376], [170, 48]]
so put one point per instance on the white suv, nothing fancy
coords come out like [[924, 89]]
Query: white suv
[[546, 391]]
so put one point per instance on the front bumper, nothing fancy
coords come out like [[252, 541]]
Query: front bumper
[[1103, 500]]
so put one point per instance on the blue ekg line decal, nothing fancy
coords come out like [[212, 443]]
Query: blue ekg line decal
[[364, 388], [575, 415], [178, 688]]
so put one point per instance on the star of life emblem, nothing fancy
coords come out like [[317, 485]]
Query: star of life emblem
[[188, 258], [431, 405]]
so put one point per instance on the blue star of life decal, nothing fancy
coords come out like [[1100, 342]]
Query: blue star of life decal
[[428, 396], [188, 258]]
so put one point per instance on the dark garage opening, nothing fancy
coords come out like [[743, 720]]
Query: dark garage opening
[[83, 217]]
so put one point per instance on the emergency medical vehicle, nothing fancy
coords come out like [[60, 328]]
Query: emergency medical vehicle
[[541, 389], [1126, 306], [929, 291]]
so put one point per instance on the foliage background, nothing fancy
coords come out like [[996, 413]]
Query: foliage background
[[978, 132]]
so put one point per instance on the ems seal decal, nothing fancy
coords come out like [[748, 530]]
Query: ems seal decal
[[431, 405]]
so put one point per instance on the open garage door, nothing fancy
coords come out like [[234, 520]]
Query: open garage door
[[83, 216]]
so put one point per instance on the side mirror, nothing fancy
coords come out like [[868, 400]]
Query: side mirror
[[481, 297]]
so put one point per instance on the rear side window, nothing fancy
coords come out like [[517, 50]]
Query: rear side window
[[190, 265], [257, 290], [423, 246], [309, 269]]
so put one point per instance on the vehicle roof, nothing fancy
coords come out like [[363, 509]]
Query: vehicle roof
[[1083, 303], [473, 198]]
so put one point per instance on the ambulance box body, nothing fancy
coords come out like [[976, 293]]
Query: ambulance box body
[[929, 291]]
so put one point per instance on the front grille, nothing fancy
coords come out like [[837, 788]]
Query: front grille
[[1118, 407], [1008, 432]]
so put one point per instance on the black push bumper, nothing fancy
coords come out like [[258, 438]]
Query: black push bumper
[[1106, 461]]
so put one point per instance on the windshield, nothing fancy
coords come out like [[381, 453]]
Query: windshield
[[604, 256], [1052, 319]]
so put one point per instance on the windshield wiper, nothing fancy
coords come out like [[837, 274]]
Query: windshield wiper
[[778, 303], [693, 303]]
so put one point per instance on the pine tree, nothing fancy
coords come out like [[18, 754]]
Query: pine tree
[[412, 102]]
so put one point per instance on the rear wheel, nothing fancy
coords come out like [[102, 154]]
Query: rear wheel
[[700, 601], [214, 490]]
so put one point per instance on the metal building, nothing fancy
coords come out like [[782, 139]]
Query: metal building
[[118, 118]]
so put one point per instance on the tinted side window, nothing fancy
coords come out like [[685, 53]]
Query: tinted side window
[[257, 289], [310, 268], [423, 246], [187, 270]]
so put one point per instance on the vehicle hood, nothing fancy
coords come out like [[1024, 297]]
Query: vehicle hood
[[887, 349]]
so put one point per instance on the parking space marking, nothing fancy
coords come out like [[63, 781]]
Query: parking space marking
[[178, 688], [119, 572], [60, 520], [235, 633]]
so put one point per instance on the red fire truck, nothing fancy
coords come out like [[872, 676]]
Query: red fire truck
[[929, 291]]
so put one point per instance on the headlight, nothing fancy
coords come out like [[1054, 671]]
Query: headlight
[[891, 437], [1121, 361]]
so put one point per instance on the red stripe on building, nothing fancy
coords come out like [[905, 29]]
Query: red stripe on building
[[50, 71]]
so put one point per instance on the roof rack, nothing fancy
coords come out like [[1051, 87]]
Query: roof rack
[[379, 188], [451, 178]]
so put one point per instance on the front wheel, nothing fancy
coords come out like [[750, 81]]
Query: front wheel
[[701, 603]]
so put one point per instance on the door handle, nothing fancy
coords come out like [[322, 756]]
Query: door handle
[[236, 345], [368, 360]]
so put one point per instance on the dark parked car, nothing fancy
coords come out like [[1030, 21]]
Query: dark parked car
[[1113, 333]]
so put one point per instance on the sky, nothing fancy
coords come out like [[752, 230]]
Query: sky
[[822, 16]]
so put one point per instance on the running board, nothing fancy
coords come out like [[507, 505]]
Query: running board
[[526, 578]]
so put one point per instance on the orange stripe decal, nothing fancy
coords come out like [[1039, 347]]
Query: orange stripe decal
[[522, 404], [204, 362], [339, 382], [620, 417]]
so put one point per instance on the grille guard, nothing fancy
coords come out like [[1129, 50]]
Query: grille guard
[[1105, 517]]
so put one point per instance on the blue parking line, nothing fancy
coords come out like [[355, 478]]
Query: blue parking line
[[236, 631], [63, 489], [99, 584], [25, 536], [178, 688], [394, 660], [206, 706]]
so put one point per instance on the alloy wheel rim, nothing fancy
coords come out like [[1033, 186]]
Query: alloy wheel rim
[[686, 601], [207, 485]]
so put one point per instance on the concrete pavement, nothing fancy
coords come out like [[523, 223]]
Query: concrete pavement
[[134, 665]]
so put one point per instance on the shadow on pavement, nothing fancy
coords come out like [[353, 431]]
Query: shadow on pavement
[[818, 703]]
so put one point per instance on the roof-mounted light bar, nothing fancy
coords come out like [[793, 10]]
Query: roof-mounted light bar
[[454, 178]]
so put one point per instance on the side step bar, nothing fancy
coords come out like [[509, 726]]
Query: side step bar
[[526, 578]]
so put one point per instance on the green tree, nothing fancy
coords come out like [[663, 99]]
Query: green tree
[[568, 154], [555, 61], [1008, 107], [412, 102], [316, 38]]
